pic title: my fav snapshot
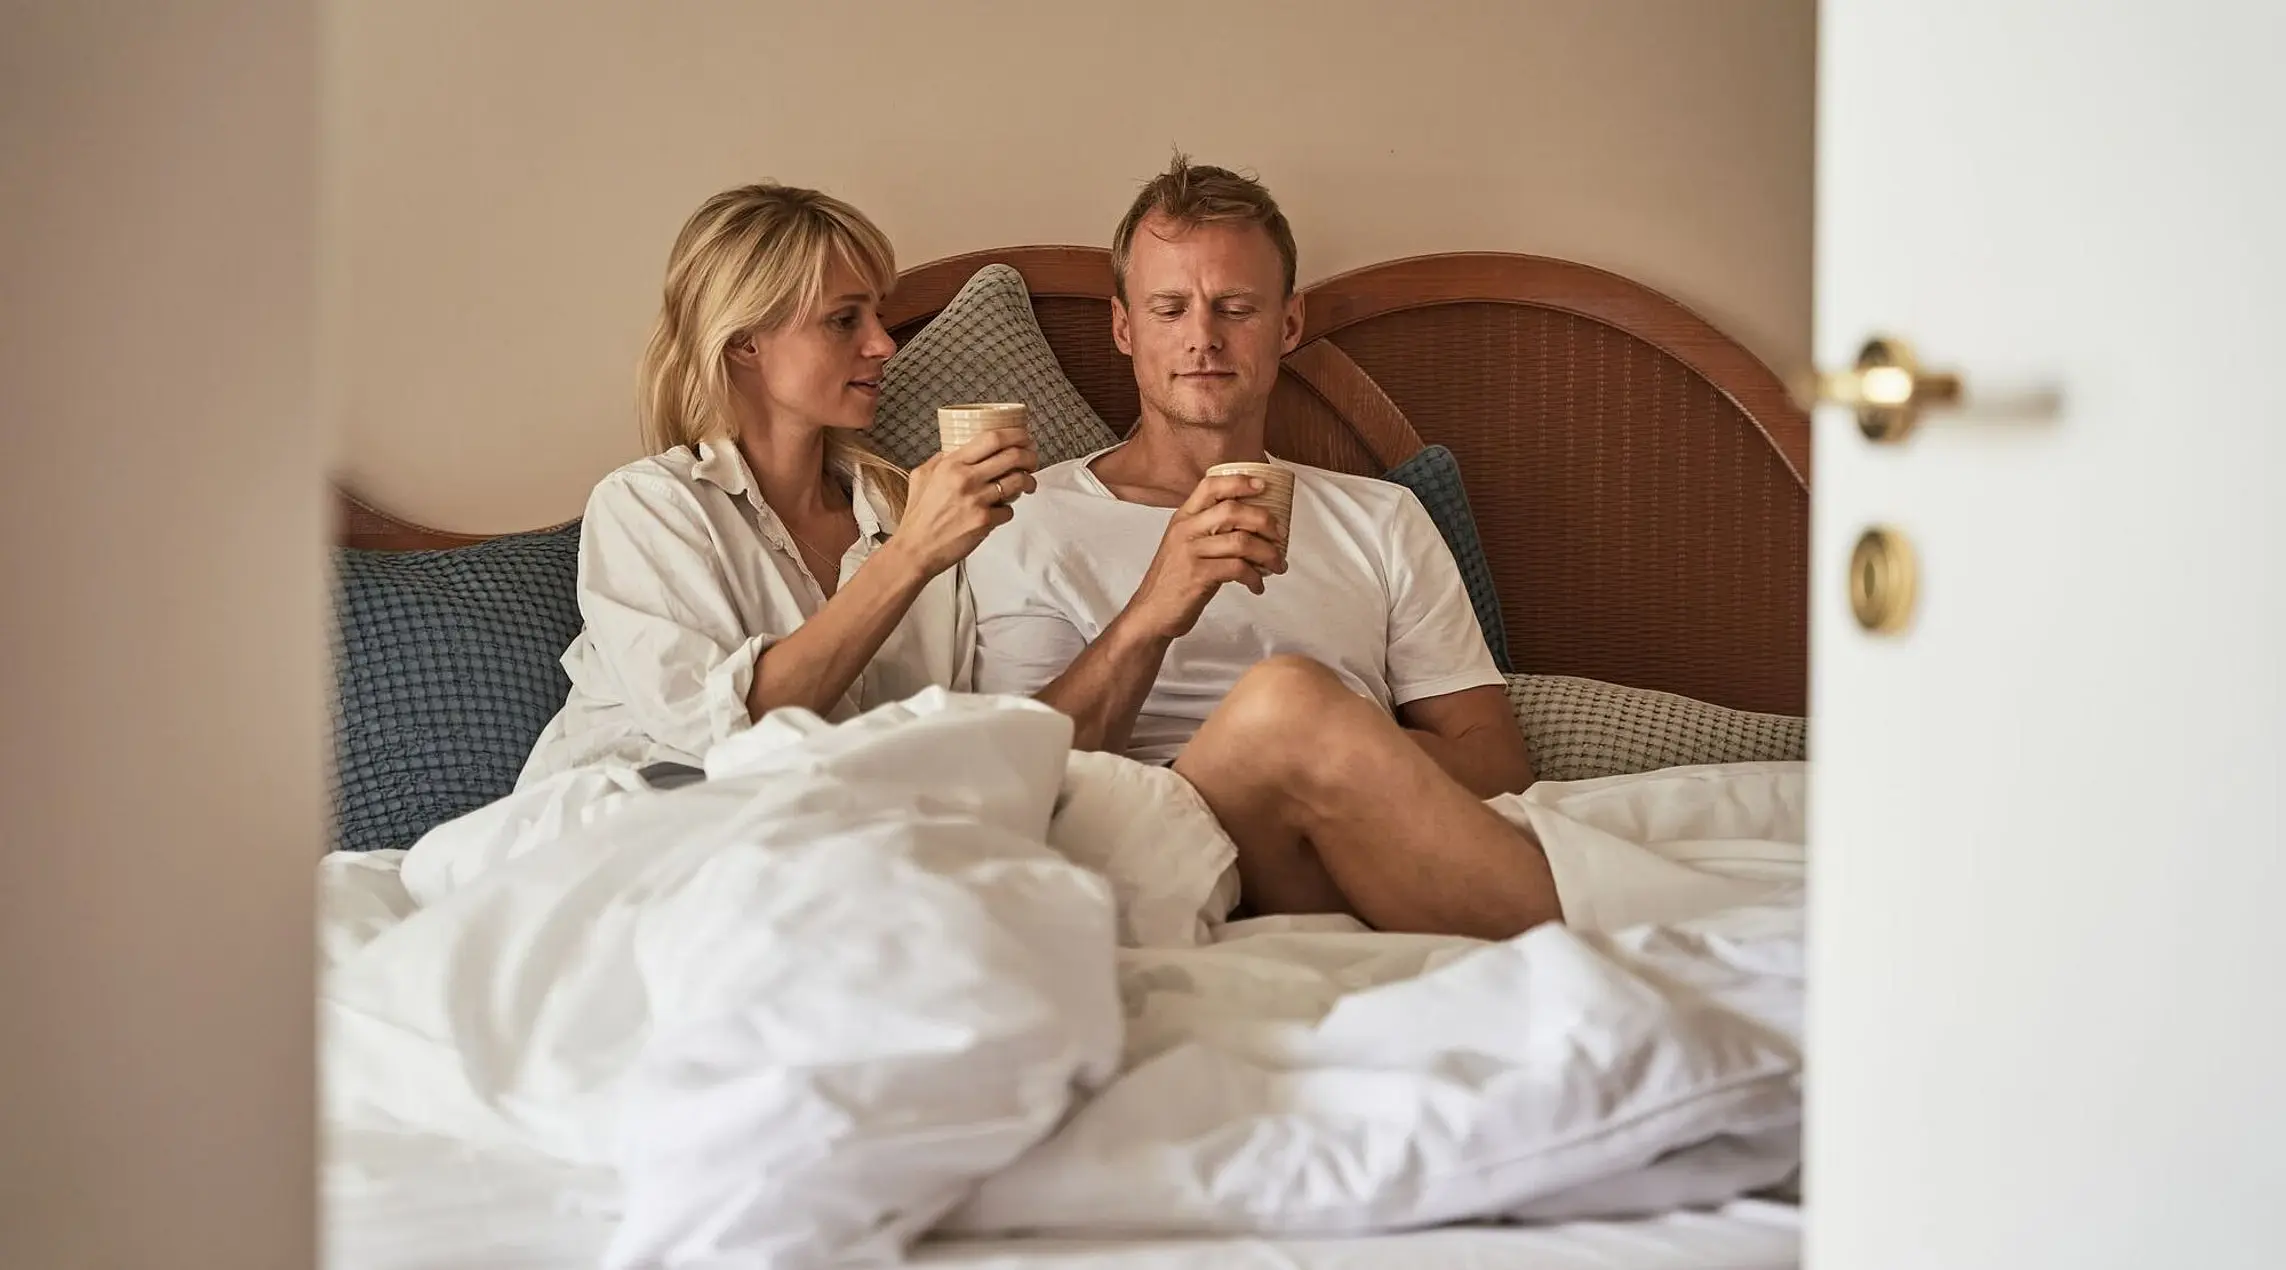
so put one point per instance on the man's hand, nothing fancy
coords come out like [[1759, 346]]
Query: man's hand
[[1212, 540]]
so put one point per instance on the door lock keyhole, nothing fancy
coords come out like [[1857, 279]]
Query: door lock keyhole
[[1882, 580]]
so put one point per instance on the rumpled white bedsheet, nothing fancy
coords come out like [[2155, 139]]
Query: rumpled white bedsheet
[[927, 969]]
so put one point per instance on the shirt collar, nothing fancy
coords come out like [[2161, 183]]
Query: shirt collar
[[862, 496], [723, 466]]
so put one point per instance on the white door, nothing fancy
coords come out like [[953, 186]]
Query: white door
[[2049, 894]]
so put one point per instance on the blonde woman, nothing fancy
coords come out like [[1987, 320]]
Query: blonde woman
[[762, 556]]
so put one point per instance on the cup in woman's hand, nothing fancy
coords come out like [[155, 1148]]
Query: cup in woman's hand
[[959, 425], [1277, 496]]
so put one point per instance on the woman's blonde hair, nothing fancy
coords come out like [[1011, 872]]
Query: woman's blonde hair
[[752, 259]]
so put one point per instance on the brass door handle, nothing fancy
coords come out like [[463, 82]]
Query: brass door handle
[[1887, 388]]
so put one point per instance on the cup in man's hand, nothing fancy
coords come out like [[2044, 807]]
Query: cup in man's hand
[[959, 425], [1277, 496]]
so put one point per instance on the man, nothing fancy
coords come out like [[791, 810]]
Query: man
[[1334, 703]]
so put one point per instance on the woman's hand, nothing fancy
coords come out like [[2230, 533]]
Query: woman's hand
[[958, 497]]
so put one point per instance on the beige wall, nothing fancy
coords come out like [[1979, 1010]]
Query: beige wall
[[162, 639], [511, 172]]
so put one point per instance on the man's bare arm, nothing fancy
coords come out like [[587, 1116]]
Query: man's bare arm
[[1104, 688], [1472, 734], [1211, 540]]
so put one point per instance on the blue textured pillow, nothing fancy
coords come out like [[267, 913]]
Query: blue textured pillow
[[1434, 477], [446, 667]]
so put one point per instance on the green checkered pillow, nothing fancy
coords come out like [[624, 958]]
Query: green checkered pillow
[[985, 346], [1578, 729]]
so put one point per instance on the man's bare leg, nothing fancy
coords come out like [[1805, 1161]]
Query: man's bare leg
[[1335, 809]]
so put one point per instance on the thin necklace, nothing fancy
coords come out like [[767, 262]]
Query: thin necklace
[[814, 549], [831, 560]]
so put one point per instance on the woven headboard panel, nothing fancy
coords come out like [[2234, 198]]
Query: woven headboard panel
[[1639, 479]]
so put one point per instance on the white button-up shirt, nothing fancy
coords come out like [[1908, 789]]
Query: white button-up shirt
[[686, 577]]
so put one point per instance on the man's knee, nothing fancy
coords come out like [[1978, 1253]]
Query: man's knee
[[1299, 712], [1281, 694]]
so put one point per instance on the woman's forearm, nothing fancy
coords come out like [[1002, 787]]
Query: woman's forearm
[[816, 664]]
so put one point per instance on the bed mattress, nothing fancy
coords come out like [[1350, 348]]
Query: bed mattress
[[407, 1203]]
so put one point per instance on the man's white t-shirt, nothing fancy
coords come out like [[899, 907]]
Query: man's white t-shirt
[[1370, 590]]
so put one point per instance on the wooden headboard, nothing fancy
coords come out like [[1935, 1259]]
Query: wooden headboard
[[1639, 479]]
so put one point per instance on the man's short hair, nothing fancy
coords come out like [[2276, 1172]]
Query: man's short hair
[[1189, 194]]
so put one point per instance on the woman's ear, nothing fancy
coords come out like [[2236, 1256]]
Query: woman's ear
[[742, 351]]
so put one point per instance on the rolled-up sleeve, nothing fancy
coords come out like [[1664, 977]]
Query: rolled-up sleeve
[[661, 624]]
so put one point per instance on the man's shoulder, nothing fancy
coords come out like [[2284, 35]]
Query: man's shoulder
[[1366, 491], [1365, 508]]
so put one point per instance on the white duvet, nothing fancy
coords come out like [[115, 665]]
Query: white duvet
[[930, 970]]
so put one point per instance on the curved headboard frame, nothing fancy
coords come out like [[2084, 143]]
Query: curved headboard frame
[[1050, 273], [360, 525], [1345, 300]]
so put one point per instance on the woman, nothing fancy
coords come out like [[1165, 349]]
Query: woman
[[763, 557]]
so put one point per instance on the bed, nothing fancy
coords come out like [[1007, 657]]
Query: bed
[[1639, 485]]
